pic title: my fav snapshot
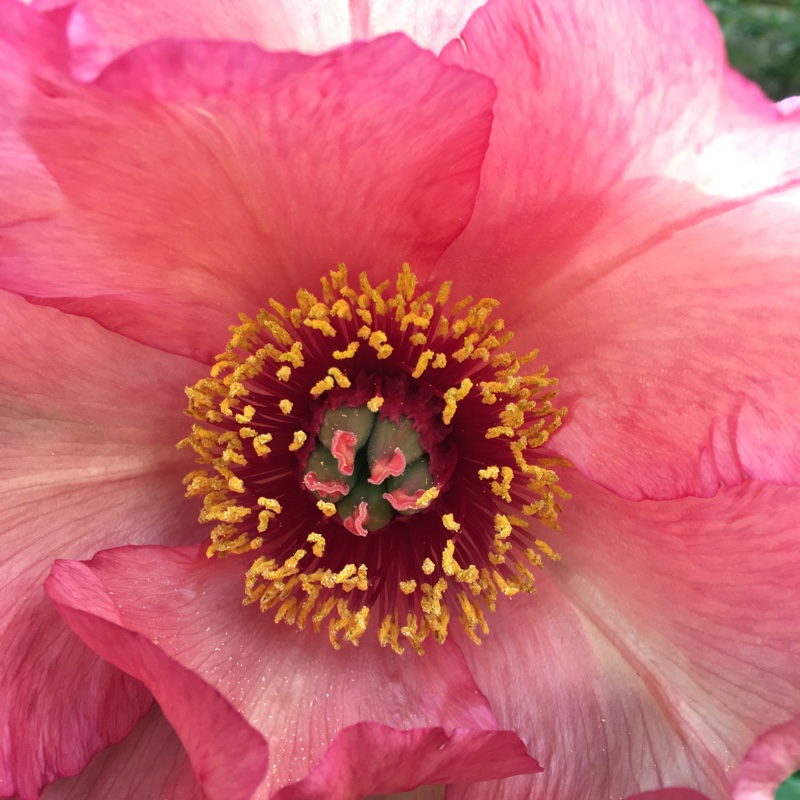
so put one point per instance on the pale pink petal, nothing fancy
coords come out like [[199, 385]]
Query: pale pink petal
[[201, 178], [291, 685], [88, 426], [101, 30], [774, 756], [789, 105], [431, 24], [583, 135], [627, 165], [678, 366], [149, 764], [655, 651], [214, 734]]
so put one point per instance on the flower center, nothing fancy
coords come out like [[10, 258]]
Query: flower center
[[380, 456], [373, 460]]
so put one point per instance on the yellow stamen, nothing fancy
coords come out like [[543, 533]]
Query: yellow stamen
[[449, 522], [348, 352], [342, 381], [389, 633], [318, 542], [428, 497], [377, 341], [246, 415], [452, 397], [328, 509], [235, 411], [298, 441], [260, 444], [322, 386]]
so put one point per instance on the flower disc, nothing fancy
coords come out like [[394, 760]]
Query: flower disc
[[378, 455]]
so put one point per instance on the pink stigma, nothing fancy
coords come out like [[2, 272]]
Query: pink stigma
[[343, 448], [394, 465], [355, 524], [336, 490], [400, 500]]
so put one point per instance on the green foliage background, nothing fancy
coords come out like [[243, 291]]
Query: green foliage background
[[790, 789], [763, 40]]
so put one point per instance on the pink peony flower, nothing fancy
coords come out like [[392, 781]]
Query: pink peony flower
[[632, 205]]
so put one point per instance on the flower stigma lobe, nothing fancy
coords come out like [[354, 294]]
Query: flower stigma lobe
[[378, 451]]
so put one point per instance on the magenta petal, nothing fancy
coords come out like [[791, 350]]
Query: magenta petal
[[772, 758], [56, 700], [368, 758], [307, 699], [88, 426], [165, 230], [214, 734], [149, 764]]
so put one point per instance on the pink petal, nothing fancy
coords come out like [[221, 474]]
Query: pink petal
[[149, 764], [39, 44], [289, 684], [789, 105], [214, 734], [59, 703], [612, 219], [88, 426], [201, 178], [661, 643], [100, 30], [650, 102], [368, 757], [774, 756], [431, 24], [685, 379], [670, 794]]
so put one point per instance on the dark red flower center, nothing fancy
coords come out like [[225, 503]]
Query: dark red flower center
[[380, 450], [379, 456]]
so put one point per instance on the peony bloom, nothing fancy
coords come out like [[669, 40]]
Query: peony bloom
[[631, 204]]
